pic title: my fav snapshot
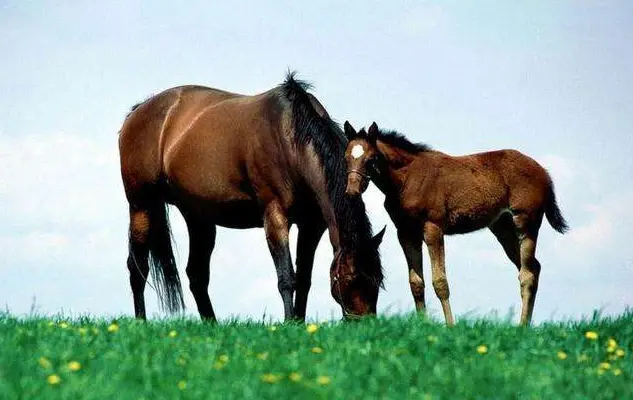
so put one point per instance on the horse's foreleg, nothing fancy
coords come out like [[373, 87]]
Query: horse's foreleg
[[137, 261], [434, 239], [411, 242], [276, 227], [307, 242], [201, 243]]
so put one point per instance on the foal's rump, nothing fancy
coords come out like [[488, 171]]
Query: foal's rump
[[529, 185]]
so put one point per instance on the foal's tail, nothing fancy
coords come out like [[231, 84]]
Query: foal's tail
[[553, 213], [162, 262]]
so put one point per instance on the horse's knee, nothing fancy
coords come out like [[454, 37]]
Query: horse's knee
[[441, 288], [287, 283]]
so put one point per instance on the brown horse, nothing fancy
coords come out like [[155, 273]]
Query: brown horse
[[429, 194], [272, 160]]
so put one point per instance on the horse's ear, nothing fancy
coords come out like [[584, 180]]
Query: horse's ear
[[377, 239], [350, 132], [373, 131]]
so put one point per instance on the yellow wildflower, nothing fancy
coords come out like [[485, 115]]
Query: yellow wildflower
[[63, 325], [173, 334], [181, 361], [182, 385], [262, 356], [272, 328], [324, 380], [270, 378], [294, 376], [317, 350], [619, 352], [51, 323], [561, 355], [604, 365], [482, 349], [617, 371], [113, 327], [53, 379], [74, 366], [218, 365], [82, 330], [591, 335], [224, 358], [311, 328], [44, 363]]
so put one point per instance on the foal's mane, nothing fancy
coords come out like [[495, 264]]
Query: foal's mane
[[329, 142], [396, 139]]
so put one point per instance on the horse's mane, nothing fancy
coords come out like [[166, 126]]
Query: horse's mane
[[398, 140], [329, 142]]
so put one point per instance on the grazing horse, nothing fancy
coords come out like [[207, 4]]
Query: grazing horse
[[269, 160], [429, 194]]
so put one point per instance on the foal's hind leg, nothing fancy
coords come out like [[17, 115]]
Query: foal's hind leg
[[137, 261], [434, 239], [518, 236], [530, 270], [411, 242], [276, 227], [201, 243]]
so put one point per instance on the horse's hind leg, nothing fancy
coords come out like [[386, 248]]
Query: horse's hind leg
[[201, 243], [276, 227], [137, 261], [434, 239], [307, 242], [411, 242]]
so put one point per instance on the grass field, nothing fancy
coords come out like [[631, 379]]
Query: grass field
[[394, 358]]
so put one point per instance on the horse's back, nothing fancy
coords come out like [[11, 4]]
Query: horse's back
[[144, 131]]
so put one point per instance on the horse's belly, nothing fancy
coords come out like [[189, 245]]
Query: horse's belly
[[236, 213]]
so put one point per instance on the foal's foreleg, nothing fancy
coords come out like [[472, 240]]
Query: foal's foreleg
[[137, 261], [307, 242], [276, 227], [434, 239], [411, 242]]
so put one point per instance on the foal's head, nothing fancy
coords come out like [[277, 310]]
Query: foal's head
[[356, 292], [361, 157]]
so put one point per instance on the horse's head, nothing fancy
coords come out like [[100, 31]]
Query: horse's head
[[355, 291], [361, 157]]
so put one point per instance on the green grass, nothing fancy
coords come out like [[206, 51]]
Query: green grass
[[395, 358]]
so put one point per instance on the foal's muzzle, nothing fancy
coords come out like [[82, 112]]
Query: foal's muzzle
[[357, 183]]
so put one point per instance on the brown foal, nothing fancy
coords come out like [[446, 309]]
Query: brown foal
[[429, 194]]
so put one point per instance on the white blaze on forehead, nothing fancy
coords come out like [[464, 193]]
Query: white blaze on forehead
[[358, 151]]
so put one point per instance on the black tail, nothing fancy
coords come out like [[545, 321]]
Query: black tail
[[552, 212], [162, 262]]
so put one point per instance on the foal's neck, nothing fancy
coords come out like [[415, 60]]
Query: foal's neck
[[394, 169]]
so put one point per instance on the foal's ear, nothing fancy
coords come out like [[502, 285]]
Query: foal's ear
[[377, 239], [350, 132], [373, 131]]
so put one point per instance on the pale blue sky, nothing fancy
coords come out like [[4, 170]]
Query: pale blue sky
[[552, 79]]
